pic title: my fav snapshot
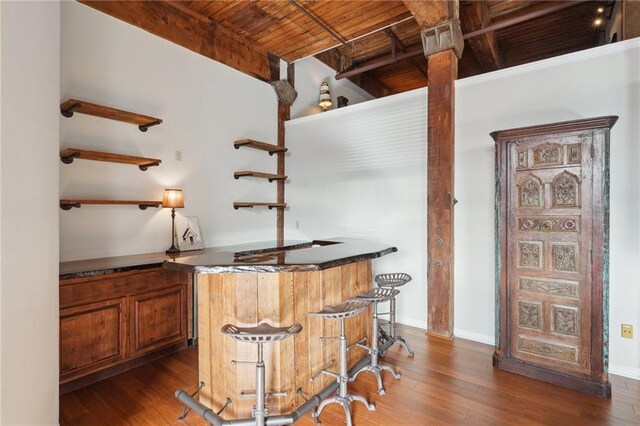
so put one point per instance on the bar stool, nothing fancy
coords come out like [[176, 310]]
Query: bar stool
[[342, 311], [392, 280], [376, 296], [263, 333]]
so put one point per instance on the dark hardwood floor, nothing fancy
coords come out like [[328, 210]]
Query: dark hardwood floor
[[447, 383]]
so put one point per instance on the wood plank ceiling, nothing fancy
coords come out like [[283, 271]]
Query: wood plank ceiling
[[356, 33]]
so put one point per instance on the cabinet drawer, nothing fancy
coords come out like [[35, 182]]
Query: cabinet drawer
[[92, 337], [158, 318]]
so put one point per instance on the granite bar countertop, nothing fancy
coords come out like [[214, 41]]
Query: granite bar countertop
[[265, 256], [292, 256]]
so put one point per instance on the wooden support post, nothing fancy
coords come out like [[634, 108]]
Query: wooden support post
[[443, 70], [284, 113]]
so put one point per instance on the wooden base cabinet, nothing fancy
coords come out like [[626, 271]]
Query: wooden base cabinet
[[552, 240], [110, 323]]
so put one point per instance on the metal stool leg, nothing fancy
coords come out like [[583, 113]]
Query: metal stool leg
[[259, 410], [393, 337], [342, 396], [374, 367]]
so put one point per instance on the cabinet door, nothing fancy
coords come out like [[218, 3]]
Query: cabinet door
[[549, 258], [158, 318], [92, 337]]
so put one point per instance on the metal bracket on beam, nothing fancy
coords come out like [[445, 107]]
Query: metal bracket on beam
[[145, 127], [69, 158], [144, 167], [445, 36], [285, 91]]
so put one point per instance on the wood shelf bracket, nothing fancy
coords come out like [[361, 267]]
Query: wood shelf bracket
[[249, 205], [142, 205]]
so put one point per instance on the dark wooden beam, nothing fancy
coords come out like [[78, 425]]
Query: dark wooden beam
[[338, 61], [177, 23], [284, 114], [442, 68], [474, 15], [430, 13], [397, 42]]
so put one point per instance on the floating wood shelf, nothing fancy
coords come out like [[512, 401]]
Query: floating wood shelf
[[269, 176], [73, 105], [245, 204], [263, 146], [68, 204], [68, 155]]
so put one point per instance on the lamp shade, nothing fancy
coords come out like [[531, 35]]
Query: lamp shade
[[173, 198], [325, 96]]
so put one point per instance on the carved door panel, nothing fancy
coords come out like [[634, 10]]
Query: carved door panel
[[549, 252]]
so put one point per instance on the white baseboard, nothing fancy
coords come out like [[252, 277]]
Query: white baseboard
[[476, 337], [463, 334], [413, 323], [622, 370]]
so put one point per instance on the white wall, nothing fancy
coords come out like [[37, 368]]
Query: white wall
[[373, 185], [310, 73], [29, 211], [205, 107]]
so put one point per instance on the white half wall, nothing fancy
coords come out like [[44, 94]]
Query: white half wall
[[205, 106], [310, 73], [361, 172], [29, 211]]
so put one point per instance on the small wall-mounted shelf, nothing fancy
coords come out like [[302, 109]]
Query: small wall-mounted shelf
[[69, 204], [269, 176], [245, 204], [73, 105], [263, 146], [68, 155]]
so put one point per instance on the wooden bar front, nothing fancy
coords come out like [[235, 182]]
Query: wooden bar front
[[281, 299]]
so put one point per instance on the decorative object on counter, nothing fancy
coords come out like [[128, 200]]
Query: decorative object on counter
[[189, 236], [376, 296], [342, 101], [325, 96], [68, 155], [388, 337], [73, 105], [173, 198], [341, 312], [552, 253]]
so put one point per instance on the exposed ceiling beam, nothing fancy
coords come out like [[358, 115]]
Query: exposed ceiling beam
[[319, 23], [474, 15], [179, 24], [528, 14], [403, 47], [430, 13], [337, 60]]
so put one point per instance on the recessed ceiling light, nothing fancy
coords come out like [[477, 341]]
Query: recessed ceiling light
[[600, 9], [597, 22]]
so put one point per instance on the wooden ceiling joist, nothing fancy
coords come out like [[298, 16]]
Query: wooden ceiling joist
[[177, 23], [474, 15], [336, 60]]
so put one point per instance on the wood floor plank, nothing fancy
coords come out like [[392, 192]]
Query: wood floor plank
[[447, 383]]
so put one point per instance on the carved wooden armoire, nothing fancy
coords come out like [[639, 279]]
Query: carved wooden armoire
[[552, 252]]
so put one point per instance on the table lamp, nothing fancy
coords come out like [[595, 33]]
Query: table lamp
[[173, 198]]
